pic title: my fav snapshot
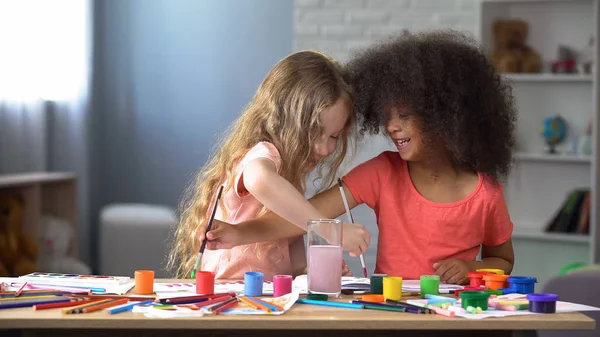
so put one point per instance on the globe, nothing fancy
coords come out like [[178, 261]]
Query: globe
[[554, 131]]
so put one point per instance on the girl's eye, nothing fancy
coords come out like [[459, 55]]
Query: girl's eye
[[334, 137]]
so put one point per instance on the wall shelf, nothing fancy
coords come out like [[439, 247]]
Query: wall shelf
[[545, 157], [548, 77], [551, 237]]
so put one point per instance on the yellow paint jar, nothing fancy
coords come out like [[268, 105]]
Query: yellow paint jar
[[392, 288]]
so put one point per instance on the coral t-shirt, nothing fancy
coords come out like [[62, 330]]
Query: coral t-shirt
[[270, 258], [414, 232]]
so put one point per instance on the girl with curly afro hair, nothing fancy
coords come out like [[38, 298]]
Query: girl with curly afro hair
[[438, 199]]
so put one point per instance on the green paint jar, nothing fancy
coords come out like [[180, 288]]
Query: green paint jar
[[474, 299], [377, 283], [430, 284]]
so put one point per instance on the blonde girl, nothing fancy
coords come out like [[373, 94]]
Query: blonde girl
[[299, 119]]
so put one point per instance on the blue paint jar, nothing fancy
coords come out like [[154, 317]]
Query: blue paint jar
[[522, 284], [542, 303], [253, 283]]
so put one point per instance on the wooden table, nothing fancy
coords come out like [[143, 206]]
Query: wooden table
[[302, 319]]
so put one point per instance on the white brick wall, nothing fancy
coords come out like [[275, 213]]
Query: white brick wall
[[338, 27]]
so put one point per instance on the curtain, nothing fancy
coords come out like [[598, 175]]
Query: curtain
[[45, 68]]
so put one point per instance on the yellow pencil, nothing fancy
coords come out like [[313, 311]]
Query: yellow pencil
[[25, 298], [249, 303]]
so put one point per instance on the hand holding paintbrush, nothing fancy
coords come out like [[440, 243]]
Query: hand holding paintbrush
[[351, 220], [210, 221]]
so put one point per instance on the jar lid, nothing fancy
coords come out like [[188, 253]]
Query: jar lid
[[495, 277], [477, 274], [317, 297], [542, 297], [491, 270], [473, 294], [522, 279]]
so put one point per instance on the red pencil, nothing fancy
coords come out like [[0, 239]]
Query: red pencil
[[101, 306], [213, 301], [225, 306], [61, 305]]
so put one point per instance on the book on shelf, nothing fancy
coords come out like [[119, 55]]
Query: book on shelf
[[574, 214]]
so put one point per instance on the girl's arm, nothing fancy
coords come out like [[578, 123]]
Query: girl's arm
[[261, 179], [497, 257], [289, 215]]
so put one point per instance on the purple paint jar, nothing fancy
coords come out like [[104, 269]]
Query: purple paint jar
[[542, 303]]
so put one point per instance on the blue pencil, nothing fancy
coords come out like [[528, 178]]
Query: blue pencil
[[24, 304], [331, 304], [127, 307]]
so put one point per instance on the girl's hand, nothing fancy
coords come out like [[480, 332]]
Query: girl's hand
[[222, 235], [356, 239], [452, 271], [345, 270]]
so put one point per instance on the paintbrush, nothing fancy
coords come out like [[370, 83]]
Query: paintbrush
[[210, 221], [351, 220]]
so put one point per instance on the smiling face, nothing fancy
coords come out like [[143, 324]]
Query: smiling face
[[403, 128], [333, 120]]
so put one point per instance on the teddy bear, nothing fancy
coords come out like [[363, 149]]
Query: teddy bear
[[18, 251], [511, 54], [55, 236]]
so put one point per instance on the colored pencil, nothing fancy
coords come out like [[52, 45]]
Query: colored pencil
[[408, 305], [25, 298], [330, 304], [131, 298], [24, 304], [80, 307], [262, 305], [197, 298], [213, 301], [20, 289], [100, 306], [368, 305], [71, 303], [73, 289], [251, 304], [225, 305], [351, 220], [273, 306], [208, 227], [127, 307]]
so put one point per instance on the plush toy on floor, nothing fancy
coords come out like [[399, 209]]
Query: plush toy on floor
[[18, 250], [511, 53], [55, 240]]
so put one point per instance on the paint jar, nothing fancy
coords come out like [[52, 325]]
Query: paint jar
[[495, 281], [522, 284], [476, 278], [392, 288], [253, 283], [325, 256], [282, 285], [474, 299], [205, 282], [542, 303], [144, 282], [490, 270], [430, 284], [377, 284]]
